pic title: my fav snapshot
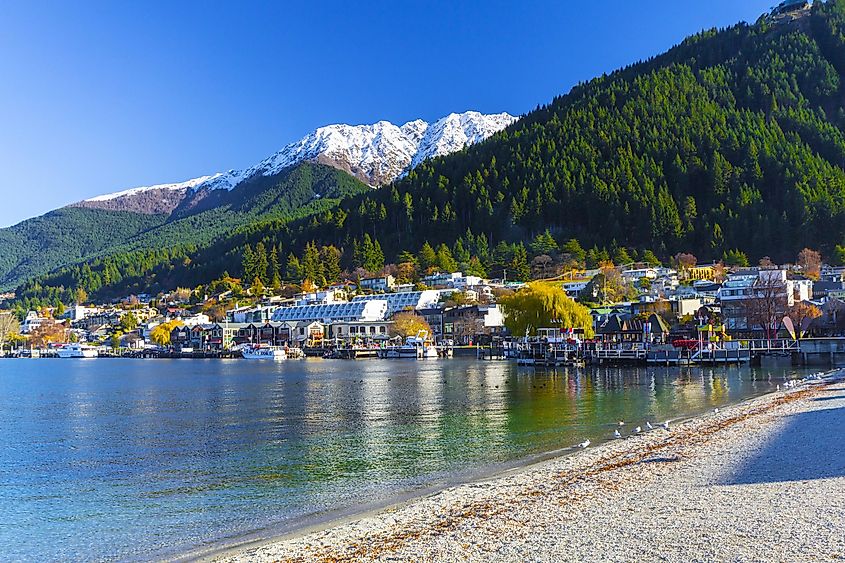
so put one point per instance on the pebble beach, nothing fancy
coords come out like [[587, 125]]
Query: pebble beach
[[758, 481]]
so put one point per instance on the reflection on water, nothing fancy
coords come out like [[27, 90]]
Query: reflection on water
[[133, 459]]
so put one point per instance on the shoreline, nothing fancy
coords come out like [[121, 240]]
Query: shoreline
[[383, 529]]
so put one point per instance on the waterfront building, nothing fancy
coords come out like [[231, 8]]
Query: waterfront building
[[367, 309], [260, 314], [360, 330], [411, 300], [742, 289]]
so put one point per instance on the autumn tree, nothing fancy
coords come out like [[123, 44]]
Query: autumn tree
[[608, 286], [128, 322], [161, 334], [544, 305], [810, 262], [802, 315], [541, 266], [408, 324], [9, 327], [766, 305], [48, 332], [684, 261]]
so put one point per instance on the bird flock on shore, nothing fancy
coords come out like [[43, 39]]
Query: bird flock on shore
[[791, 384]]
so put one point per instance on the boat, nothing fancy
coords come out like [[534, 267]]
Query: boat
[[77, 351], [415, 348], [264, 353]]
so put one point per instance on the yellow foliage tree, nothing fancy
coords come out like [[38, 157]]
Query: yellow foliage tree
[[408, 324], [544, 305], [161, 334]]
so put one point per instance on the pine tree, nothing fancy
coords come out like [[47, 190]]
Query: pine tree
[[293, 269], [248, 263], [261, 263], [330, 259], [428, 257], [275, 269], [445, 261], [519, 269]]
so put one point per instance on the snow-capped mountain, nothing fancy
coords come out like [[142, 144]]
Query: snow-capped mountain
[[161, 198], [376, 154]]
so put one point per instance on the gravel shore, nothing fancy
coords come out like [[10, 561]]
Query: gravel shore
[[760, 481]]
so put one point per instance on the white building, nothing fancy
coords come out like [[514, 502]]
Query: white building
[[382, 284], [31, 322], [79, 312], [356, 310], [196, 319], [635, 275], [455, 280], [397, 302], [325, 297], [742, 287]]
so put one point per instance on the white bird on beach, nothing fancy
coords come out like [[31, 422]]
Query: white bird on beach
[[649, 426], [621, 423], [637, 430], [584, 444], [616, 434], [778, 387], [715, 411], [666, 425]]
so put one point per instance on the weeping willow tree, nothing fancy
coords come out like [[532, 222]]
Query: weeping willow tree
[[544, 305]]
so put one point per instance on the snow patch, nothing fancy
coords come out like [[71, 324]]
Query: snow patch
[[139, 190]]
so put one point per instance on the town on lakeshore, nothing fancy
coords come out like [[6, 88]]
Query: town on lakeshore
[[422, 281], [560, 313]]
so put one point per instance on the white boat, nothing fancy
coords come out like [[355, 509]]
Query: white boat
[[415, 348], [77, 351], [264, 353]]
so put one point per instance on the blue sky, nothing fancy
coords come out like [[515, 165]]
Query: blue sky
[[101, 96]]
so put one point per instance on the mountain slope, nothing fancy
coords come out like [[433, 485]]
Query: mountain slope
[[65, 236], [295, 192], [152, 200]]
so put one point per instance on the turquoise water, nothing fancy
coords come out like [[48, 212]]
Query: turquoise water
[[138, 459]]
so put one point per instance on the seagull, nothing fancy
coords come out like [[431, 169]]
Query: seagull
[[616, 434], [584, 444], [715, 411], [637, 430], [649, 426], [666, 425], [778, 388], [621, 423]]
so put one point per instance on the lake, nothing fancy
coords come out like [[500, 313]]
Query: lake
[[141, 459]]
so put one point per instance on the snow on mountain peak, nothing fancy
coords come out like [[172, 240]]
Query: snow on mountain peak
[[377, 154], [168, 187]]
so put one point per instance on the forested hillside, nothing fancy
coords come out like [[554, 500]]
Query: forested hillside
[[64, 236], [730, 144], [71, 234]]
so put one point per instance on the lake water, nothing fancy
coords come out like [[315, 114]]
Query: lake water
[[139, 459]]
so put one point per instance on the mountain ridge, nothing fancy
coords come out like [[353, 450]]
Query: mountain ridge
[[376, 154]]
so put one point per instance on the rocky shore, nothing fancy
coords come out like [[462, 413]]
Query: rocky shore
[[759, 481]]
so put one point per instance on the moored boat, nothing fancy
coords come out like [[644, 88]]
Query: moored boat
[[264, 353], [77, 351], [415, 348]]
